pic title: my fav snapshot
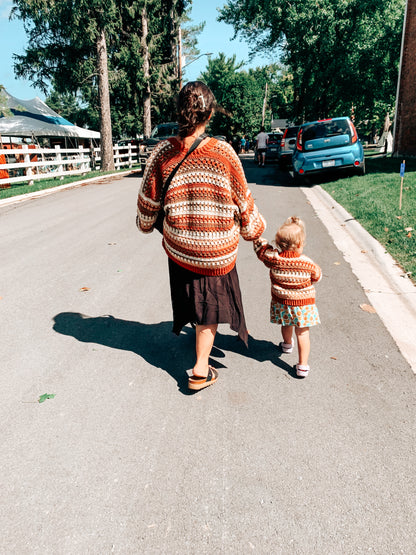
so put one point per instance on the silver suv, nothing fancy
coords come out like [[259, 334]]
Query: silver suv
[[287, 146]]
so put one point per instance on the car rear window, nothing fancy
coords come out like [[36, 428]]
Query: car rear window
[[323, 129], [165, 131], [291, 132], [275, 137]]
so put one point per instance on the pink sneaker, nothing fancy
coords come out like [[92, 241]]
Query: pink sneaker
[[302, 370]]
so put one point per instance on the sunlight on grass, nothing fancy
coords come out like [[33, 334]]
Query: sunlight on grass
[[373, 200]]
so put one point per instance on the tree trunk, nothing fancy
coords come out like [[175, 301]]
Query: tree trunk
[[147, 116], [107, 155]]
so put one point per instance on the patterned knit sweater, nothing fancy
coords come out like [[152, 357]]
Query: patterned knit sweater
[[292, 274], [208, 205]]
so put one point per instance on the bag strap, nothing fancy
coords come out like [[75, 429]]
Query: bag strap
[[194, 145]]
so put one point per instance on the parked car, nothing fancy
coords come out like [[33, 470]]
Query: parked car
[[287, 146], [328, 144], [159, 133], [273, 146]]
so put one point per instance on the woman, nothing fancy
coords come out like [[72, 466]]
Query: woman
[[207, 206]]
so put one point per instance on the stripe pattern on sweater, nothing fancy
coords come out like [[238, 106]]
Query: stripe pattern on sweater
[[207, 205], [291, 274]]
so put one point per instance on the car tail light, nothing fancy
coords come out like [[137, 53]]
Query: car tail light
[[357, 163], [299, 140], [301, 171], [354, 136]]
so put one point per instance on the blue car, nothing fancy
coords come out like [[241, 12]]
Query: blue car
[[329, 144]]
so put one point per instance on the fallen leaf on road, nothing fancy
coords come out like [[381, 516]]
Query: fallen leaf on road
[[337, 263], [85, 289], [368, 308], [45, 396], [334, 358], [409, 235], [363, 251]]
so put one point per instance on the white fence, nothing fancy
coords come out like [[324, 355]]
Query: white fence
[[30, 164]]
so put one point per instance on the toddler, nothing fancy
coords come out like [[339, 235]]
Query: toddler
[[293, 295]]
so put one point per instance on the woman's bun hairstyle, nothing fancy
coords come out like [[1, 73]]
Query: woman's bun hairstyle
[[195, 105]]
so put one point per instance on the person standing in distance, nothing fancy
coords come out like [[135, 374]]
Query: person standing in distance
[[262, 140]]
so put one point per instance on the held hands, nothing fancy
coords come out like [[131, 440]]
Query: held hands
[[259, 243]]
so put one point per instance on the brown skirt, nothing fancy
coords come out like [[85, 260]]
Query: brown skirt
[[206, 300]]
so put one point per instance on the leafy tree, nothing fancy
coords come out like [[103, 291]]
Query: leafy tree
[[341, 53], [65, 39], [65, 104], [72, 41], [4, 110], [241, 94]]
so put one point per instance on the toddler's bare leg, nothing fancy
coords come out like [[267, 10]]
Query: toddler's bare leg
[[287, 334], [304, 345]]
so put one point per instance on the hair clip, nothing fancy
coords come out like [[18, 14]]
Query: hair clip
[[203, 101]]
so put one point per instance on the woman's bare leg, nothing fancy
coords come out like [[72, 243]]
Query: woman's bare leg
[[204, 341]]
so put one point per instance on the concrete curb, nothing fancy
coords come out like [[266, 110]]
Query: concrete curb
[[51, 190], [388, 289]]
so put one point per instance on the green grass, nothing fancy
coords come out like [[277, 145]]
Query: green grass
[[40, 185], [373, 200]]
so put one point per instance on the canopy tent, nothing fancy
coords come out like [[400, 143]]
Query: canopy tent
[[34, 119]]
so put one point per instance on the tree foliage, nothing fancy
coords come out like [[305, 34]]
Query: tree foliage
[[341, 53], [241, 93], [62, 48]]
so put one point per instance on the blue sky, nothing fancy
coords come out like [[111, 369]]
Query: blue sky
[[215, 38]]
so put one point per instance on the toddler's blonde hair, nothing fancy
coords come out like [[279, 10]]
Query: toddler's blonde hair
[[291, 235]]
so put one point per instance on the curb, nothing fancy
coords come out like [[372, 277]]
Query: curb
[[388, 289], [51, 190]]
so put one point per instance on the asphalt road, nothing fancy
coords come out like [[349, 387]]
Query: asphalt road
[[124, 460]]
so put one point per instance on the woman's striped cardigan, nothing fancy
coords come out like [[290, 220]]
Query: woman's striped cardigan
[[208, 205]]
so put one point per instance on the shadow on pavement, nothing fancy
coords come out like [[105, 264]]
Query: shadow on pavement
[[156, 343], [270, 175]]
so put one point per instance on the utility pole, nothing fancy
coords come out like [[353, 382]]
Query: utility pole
[[263, 117]]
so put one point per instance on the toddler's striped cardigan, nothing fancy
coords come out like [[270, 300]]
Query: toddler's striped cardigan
[[208, 205], [292, 274]]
